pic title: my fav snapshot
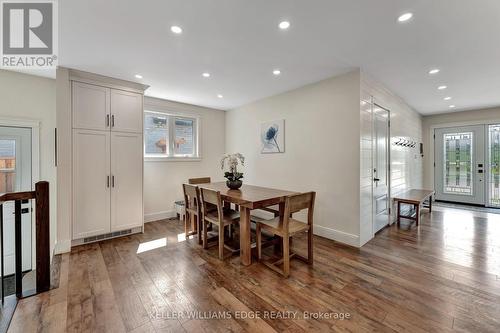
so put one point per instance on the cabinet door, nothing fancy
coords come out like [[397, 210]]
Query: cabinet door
[[91, 187], [91, 105], [127, 180], [126, 111]]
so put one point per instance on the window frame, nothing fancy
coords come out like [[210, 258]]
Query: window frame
[[170, 156]]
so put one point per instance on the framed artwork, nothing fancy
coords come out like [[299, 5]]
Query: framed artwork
[[272, 136]]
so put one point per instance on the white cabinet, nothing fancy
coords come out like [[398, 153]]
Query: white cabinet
[[124, 115], [126, 171], [91, 106], [107, 161], [91, 187]]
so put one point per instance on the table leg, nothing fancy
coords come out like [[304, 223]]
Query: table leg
[[278, 246], [430, 204], [399, 213], [245, 241], [418, 213]]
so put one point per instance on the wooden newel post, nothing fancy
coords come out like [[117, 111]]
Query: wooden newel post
[[42, 236]]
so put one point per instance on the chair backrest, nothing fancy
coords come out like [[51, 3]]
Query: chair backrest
[[297, 202], [192, 198], [211, 198], [197, 181]]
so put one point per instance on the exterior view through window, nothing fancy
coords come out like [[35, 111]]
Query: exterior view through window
[[170, 136]]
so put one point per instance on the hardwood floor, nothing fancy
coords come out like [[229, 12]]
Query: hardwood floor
[[440, 277]]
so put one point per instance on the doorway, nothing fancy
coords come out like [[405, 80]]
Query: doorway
[[16, 176], [467, 164], [381, 168]]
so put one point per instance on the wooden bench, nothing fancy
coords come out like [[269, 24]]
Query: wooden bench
[[415, 198]]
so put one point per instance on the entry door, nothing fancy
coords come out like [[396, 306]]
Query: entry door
[[493, 169], [15, 176], [381, 168], [460, 164]]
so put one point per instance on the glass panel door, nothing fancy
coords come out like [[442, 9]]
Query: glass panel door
[[460, 169], [494, 165]]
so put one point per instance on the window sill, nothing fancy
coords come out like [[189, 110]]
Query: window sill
[[171, 159]]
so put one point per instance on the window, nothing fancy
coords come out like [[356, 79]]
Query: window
[[170, 136]]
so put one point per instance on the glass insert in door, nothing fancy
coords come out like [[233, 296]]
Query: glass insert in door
[[458, 163], [7, 166], [494, 165]]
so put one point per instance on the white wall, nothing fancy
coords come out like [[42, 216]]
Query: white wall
[[321, 149], [30, 97], [406, 163], [473, 117], [163, 179]]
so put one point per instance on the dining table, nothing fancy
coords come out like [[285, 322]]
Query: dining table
[[248, 198]]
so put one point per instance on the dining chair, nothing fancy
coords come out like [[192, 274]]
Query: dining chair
[[213, 212], [198, 181], [192, 203], [286, 226]]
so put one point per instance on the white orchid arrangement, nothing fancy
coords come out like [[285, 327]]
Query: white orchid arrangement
[[233, 160]]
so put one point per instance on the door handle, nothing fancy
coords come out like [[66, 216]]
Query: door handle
[[112, 181], [107, 120], [107, 181], [376, 179], [113, 120]]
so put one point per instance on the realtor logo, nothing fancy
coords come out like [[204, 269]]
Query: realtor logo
[[29, 34]]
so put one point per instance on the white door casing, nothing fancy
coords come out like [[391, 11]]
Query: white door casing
[[21, 140]]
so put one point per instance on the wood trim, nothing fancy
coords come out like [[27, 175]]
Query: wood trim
[[42, 202], [17, 196]]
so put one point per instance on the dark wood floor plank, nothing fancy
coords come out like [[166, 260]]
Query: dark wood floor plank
[[440, 277]]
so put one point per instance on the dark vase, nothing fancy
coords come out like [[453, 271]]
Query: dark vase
[[234, 184]]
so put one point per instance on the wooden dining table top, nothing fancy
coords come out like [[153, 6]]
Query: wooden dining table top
[[249, 196]]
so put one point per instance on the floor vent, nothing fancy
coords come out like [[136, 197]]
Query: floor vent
[[106, 236]]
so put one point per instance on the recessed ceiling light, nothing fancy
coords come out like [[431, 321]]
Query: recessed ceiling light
[[434, 71], [442, 87], [284, 25], [405, 17], [276, 72], [447, 98], [138, 76], [206, 74], [176, 29], [452, 106], [220, 96]]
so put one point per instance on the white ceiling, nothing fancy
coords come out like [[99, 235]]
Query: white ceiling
[[239, 43]]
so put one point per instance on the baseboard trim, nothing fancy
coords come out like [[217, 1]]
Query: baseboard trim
[[159, 216], [62, 247], [337, 235]]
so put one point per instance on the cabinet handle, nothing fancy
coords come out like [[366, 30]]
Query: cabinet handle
[[112, 181], [112, 120], [107, 181], [107, 120]]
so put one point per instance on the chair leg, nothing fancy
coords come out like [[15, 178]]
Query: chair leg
[[200, 230], [186, 224], [310, 246], [205, 235], [286, 256], [221, 241], [259, 241]]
